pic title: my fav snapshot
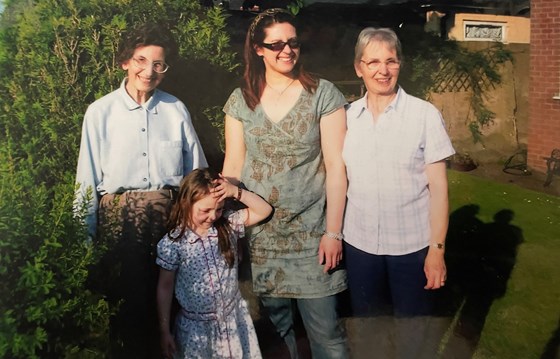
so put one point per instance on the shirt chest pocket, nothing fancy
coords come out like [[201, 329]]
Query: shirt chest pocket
[[170, 158]]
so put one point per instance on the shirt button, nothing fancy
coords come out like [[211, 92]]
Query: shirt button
[[144, 154], [145, 179], [143, 130]]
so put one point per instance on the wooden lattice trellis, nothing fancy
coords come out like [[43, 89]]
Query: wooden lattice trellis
[[450, 79]]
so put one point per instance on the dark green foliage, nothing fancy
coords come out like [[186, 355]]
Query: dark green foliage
[[57, 57], [295, 6], [45, 309]]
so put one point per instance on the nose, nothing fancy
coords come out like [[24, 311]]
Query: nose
[[149, 70], [289, 50], [383, 68]]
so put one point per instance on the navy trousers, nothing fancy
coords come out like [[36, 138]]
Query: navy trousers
[[379, 284]]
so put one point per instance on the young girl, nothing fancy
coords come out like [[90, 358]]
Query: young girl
[[198, 260]]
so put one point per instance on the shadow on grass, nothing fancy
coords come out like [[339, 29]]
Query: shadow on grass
[[552, 349], [480, 258]]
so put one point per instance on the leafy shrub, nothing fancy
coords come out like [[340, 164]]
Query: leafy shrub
[[46, 309], [57, 57]]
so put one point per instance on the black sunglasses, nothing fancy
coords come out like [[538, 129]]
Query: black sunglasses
[[280, 45]]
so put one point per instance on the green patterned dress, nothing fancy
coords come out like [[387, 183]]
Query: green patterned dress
[[284, 164]]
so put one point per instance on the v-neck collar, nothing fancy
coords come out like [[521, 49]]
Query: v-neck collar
[[283, 118]]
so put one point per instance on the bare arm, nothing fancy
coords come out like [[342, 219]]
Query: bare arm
[[235, 150], [434, 265], [257, 208], [333, 131], [164, 297]]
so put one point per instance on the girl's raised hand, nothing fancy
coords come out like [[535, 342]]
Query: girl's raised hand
[[224, 189]]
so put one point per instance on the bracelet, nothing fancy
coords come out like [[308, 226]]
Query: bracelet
[[239, 190], [337, 236], [437, 245]]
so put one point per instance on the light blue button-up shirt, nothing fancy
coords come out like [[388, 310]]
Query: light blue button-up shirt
[[388, 208], [130, 147]]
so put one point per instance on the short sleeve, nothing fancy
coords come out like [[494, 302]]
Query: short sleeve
[[329, 98], [438, 145], [234, 104], [168, 254]]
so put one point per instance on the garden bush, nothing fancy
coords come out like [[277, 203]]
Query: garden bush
[[57, 57], [46, 310]]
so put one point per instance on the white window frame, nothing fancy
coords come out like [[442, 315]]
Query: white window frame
[[470, 23]]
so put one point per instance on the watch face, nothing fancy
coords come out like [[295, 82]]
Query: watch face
[[439, 245]]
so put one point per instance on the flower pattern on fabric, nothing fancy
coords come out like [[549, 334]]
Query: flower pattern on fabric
[[284, 164], [214, 320]]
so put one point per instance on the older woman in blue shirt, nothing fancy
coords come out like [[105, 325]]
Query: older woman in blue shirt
[[137, 144], [397, 211]]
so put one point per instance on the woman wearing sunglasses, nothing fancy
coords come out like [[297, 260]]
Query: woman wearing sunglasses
[[284, 135]]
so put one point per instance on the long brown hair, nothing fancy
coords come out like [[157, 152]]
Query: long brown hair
[[195, 186], [254, 80]]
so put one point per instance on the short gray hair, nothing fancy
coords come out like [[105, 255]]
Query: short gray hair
[[370, 34]]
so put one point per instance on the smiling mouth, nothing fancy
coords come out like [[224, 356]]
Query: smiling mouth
[[290, 59]]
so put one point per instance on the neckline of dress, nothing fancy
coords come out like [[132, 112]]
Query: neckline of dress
[[287, 113]]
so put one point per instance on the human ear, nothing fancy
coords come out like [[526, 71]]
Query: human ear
[[358, 70], [258, 50]]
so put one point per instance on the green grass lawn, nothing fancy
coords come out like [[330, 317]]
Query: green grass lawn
[[522, 320]]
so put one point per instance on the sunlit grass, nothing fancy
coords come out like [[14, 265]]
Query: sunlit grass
[[520, 323]]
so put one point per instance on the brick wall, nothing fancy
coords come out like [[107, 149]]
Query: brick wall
[[544, 83]]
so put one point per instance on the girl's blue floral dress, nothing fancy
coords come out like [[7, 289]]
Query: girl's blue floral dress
[[214, 320]]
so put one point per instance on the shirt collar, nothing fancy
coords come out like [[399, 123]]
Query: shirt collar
[[398, 101], [357, 107], [150, 105], [360, 106], [193, 237]]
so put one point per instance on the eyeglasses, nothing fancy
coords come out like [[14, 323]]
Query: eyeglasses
[[158, 66], [280, 45], [374, 65]]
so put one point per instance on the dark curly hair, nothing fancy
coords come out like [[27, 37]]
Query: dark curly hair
[[145, 35]]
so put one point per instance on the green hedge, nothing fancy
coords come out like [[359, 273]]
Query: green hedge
[[57, 57]]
